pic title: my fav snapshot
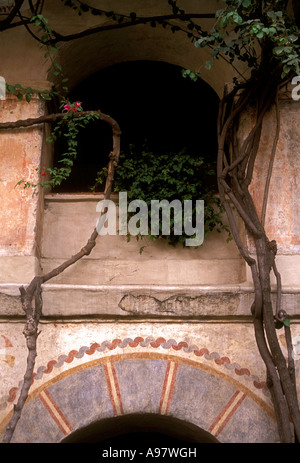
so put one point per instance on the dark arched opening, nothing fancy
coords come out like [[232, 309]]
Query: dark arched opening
[[155, 107], [140, 429]]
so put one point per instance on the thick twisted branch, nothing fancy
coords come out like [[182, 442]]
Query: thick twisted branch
[[31, 296], [234, 176]]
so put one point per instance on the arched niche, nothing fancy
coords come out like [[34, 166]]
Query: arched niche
[[157, 109], [88, 55], [183, 115]]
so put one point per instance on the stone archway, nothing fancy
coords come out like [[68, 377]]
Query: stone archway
[[198, 392], [88, 55]]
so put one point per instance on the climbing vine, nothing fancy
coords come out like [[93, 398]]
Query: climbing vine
[[240, 28], [171, 176]]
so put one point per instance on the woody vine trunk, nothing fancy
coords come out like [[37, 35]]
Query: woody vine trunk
[[31, 296], [235, 170]]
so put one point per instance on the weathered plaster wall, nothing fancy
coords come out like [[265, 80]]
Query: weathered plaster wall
[[283, 213], [21, 153], [283, 208], [72, 218]]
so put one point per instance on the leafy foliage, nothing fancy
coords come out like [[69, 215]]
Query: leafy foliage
[[245, 24], [147, 176], [68, 128]]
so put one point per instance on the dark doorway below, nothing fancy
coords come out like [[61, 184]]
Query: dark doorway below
[[134, 430]]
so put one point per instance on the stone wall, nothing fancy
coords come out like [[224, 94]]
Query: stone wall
[[21, 155]]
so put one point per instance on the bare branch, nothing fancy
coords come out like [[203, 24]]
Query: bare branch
[[33, 290], [8, 20], [133, 22], [48, 118], [237, 167], [279, 288], [291, 363], [280, 406], [248, 222]]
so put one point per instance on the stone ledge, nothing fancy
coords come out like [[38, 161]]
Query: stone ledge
[[143, 272], [138, 301]]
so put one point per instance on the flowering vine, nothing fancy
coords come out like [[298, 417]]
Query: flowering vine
[[73, 107], [69, 120]]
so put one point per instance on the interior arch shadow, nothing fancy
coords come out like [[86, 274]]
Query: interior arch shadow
[[140, 429], [157, 110]]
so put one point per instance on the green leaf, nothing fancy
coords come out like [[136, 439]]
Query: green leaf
[[11, 88], [208, 65], [246, 3], [286, 68], [277, 50], [287, 322], [19, 183]]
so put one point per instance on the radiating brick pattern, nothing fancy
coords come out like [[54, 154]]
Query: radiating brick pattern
[[151, 381]]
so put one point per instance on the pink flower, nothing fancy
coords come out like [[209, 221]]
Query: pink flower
[[43, 174], [73, 108]]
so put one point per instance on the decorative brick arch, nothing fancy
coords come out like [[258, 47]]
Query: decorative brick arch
[[185, 382]]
